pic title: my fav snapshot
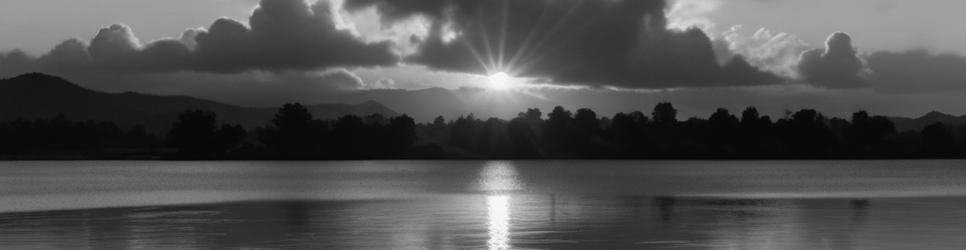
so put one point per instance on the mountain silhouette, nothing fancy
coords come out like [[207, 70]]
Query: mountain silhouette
[[917, 124], [37, 95], [426, 104]]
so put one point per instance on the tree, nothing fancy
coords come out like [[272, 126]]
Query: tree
[[749, 117], [937, 141], [665, 114], [586, 121], [401, 134], [756, 138], [867, 135], [293, 133], [559, 131], [533, 114], [138, 137], [193, 134], [722, 132], [439, 123], [349, 137], [229, 139], [807, 135], [628, 131]]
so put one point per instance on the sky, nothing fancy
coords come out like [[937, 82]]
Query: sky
[[887, 56]]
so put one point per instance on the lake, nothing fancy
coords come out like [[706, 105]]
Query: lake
[[888, 204]]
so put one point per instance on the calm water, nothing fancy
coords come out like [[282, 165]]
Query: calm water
[[481, 204]]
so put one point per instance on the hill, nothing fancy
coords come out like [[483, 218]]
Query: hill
[[38, 95], [917, 124]]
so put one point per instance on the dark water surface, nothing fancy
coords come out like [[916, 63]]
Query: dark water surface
[[485, 205]]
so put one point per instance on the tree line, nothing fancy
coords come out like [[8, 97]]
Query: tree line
[[560, 134], [582, 134]]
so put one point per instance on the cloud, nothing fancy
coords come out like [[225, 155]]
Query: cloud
[[835, 66], [284, 35], [16, 62], [114, 41], [917, 71], [384, 83], [620, 43], [685, 14], [773, 52], [342, 79], [288, 34]]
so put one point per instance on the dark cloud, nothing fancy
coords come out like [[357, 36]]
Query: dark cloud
[[70, 55], [835, 66], [917, 71], [16, 62], [622, 43], [284, 35], [287, 34]]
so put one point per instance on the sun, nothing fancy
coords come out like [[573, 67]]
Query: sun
[[499, 81]]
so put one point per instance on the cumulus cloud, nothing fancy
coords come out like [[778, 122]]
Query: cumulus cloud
[[685, 14], [289, 34], [620, 43], [16, 62], [776, 52], [835, 66], [284, 35], [917, 71], [114, 41], [384, 83], [342, 79]]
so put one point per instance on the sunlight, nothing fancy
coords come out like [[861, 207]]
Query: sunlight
[[499, 177], [499, 81], [498, 214]]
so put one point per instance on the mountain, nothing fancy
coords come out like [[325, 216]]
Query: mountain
[[904, 124], [426, 104], [38, 95]]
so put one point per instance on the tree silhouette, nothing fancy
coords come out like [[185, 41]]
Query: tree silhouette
[[937, 141], [350, 137], [193, 134], [807, 134], [870, 136], [401, 134], [665, 114], [559, 129], [721, 133], [293, 134], [229, 140], [524, 133]]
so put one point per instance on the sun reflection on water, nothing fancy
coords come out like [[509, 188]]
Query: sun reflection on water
[[498, 211], [498, 179]]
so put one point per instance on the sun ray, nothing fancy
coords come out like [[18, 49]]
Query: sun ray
[[486, 42], [525, 53], [534, 58], [476, 55], [524, 46], [503, 31]]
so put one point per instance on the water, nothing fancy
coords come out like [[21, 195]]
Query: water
[[485, 205]]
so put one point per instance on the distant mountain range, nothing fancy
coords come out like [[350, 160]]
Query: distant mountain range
[[38, 95], [904, 124]]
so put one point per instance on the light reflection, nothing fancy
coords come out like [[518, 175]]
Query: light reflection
[[499, 177], [498, 210]]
